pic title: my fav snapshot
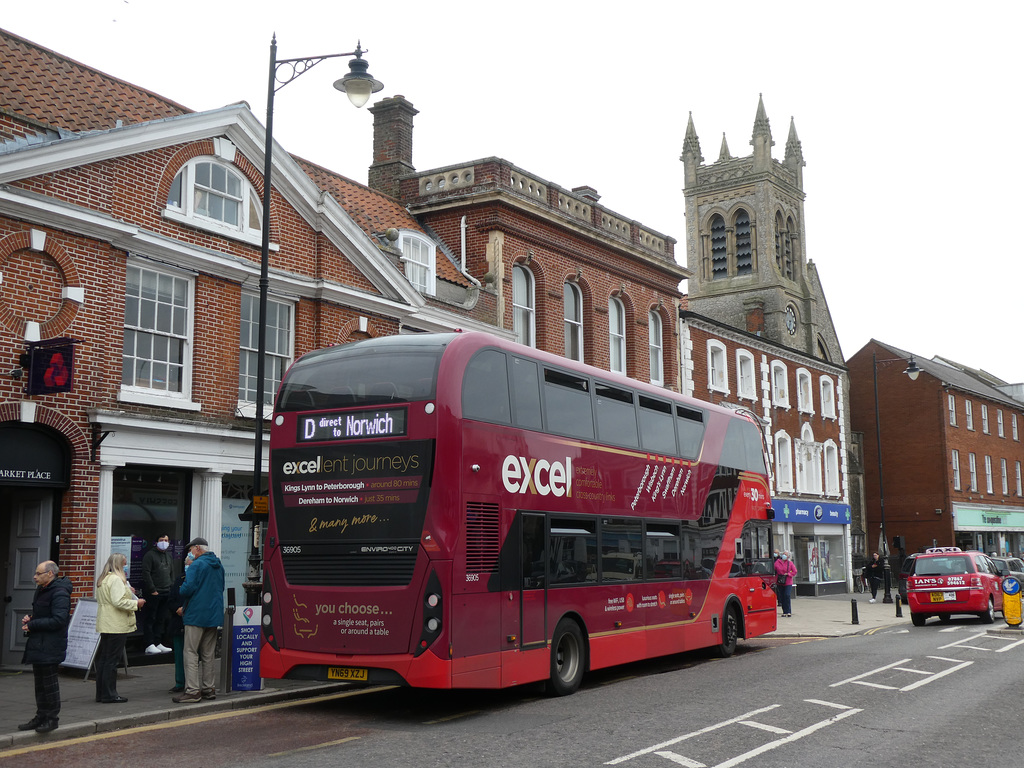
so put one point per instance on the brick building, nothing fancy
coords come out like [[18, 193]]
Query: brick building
[[951, 452], [757, 334], [130, 227], [567, 274]]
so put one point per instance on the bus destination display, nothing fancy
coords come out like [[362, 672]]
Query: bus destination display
[[352, 425]]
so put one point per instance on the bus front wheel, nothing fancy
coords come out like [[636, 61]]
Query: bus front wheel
[[730, 633], [567, 659]]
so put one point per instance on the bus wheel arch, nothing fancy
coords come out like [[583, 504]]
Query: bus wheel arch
[[731, 628], [569, 656]]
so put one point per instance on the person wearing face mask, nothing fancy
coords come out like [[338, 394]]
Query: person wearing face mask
[[875, 571], [157, 576], [785, 571], [116, 607]]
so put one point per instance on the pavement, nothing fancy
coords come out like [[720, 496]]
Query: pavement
[[146, 683]]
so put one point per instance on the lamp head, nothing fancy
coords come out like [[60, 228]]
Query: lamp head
[[912, 370], [358, 84]]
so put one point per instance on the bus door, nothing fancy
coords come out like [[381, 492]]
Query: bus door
[[533, 589]]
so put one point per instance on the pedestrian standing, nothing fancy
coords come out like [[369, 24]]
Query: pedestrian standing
[[785, 571], [157, 575], [47, 643], [176, 628], [116, 607], [876, 572], [203, 592]]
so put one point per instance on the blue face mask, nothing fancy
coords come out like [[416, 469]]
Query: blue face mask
[[785, 557]]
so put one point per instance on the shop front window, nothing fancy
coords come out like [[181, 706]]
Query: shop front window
[[148, 503]]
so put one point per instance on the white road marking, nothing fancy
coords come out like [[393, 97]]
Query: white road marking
[[868, 674], [827, 704], [937, 675], [961, 642], [787, 739], [680, 760], [765, 727], [684, 737]]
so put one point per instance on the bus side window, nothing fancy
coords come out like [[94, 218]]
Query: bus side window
[[742, 447], [567, 404], [526, 393], [485, 394], [656, 429], [616, 416], [690, 429]]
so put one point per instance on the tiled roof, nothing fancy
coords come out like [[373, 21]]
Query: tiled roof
[[59, 92], [375, 213]]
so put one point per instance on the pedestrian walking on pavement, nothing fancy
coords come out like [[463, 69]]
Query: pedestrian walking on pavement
[[157, 575], [876, 573], [47, 643], [116, 607], [203, 592], [176, 628], [785, 570]]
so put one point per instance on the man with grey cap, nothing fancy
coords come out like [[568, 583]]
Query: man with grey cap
[[203, 596]]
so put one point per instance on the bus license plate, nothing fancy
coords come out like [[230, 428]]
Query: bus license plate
[[347, 673], [943, 597]]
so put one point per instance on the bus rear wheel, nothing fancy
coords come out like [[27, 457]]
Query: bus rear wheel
[[730, 633], [567, 659]]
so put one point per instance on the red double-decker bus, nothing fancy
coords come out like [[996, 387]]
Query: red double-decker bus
[[458, 511]]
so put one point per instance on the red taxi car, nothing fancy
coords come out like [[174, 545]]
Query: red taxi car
[[948, 581]]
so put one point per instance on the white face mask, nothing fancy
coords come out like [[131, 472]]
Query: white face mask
[[785, 557], [162, 545]]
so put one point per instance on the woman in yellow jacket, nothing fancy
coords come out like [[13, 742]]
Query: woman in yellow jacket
[[115, 620]]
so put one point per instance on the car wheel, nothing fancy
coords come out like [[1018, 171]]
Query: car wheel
[[730, 633], [567, 659], [919, 619], [988, 616], [945, 618]]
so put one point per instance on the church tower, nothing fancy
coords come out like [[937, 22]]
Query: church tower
[[745, 243]]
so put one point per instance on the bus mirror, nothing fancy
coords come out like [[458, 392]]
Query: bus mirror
[[769, 513]]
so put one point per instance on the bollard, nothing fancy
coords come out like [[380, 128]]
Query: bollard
[[853, 608], [899, 607]]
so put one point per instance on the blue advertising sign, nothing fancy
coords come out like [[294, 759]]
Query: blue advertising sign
[[245, 650], [803, 511]]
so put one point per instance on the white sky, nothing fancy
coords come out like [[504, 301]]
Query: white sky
[[902, 108]]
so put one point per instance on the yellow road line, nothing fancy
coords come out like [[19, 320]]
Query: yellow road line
[[188, 721], [314, 746], [452, 717]]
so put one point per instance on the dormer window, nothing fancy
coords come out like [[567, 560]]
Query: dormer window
[[212, 195], [418, 253]]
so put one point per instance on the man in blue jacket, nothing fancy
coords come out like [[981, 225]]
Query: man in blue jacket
[[47, 643], [203, 594]]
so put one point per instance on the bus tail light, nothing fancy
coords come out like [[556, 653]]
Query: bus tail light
[[268, 621], [433, 607]]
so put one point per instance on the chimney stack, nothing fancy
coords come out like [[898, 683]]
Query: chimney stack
[[392, 144]]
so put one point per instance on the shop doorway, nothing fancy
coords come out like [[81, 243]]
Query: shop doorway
[[26, 533]]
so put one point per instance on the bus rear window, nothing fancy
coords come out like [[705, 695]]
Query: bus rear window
[[335, 379]]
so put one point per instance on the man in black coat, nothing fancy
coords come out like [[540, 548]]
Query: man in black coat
[[47, 643]]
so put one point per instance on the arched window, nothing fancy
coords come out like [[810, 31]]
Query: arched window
[[522, 305], [746, 378], [744, 249], [719, 256], [419, 253], [784, 245], [780, 384], [573, 302], [828, 397], [213, 195], [831, 468], [654, 346], [616, 336], [783, 462], [808, 462], [718, 367], [804, 396]]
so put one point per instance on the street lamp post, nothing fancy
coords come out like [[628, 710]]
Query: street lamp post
[[358, 85], [912, 372]]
